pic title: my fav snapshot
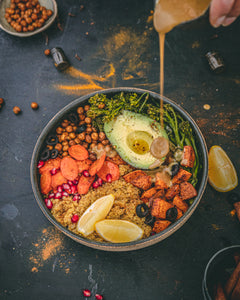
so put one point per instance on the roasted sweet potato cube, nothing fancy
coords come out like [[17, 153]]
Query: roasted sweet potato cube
[[133, 175], [160, 225], [160, 207], [160, 185], [179, 203], [188, 157], [142, 182], [181, 176], [149, 193], [180, 213], [220, 295], [236, 290], [172, 191], [187, 191]]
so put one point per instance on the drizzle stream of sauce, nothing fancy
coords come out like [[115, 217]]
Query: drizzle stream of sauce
[[167, 15]]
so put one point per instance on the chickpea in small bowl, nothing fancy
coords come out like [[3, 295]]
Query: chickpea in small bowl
[[25, 18]]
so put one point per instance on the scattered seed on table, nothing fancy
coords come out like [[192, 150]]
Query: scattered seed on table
[[206, 106], [1, 101]]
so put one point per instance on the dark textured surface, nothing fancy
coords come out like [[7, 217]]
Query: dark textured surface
[[120, 49]]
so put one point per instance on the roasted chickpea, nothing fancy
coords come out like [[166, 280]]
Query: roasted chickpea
[[42, 21], [88, 139], [23, 23], [100, 146], [29, 5], [88, 120], [34, 17], [92, 146], [80, 110], [105, 142], [72, 135], [64, 124], [25, 29], [59, 130], [30, 27], [69, 128], [89, 130], [81, 123], [65, 154], [65, 148], [86, 107], [81, 136], [18, 28], [74, 128], [13, 6], [71, 143], [58, 147], [49, 12], [16, 110], [102, 136], [29, 20], [82, 117], [108, 148], [6, 15], [94, 136], [64, 136]]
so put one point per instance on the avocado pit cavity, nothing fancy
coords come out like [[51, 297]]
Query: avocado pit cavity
[[139, 141]]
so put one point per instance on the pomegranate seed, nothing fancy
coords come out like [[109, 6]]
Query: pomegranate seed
[[99, 297], [70, 182], [100, 181], [66, 187], [48, 203], [86, 293], [74, 218], [85, 173], [77, 197], [152, 233], [50, 196], [95, 185], [75, 182], [40, 164], [60, 189], [65, 194], [58, 195], [109, 178], [54, 171], [74, 189]]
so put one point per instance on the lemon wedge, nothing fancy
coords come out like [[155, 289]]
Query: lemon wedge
[[222, 175], [118, 231], [94, 213]]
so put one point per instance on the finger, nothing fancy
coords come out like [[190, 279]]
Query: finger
[[235, 11], [219, 10]]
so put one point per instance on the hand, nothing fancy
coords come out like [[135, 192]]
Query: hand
[[224, 12]]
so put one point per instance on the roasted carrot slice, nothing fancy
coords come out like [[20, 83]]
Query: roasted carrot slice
[[83, 164], [45, 182], [97, 165], [84, 184], [108, 168], [50, 164], [78, 152], [58, 179], [69, 168]]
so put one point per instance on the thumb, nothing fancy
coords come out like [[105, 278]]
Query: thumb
[[219, 10]]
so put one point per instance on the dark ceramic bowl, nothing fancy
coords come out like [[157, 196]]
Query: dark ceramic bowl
[[4, 25], [215, 270], [53, 124]]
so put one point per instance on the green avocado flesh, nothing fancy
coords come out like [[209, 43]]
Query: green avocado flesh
[[131, 134]]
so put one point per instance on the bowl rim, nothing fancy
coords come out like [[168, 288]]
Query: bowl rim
[[215, 255], [31, 33], [130, 245]]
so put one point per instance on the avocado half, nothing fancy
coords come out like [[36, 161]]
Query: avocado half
[[131, 134]]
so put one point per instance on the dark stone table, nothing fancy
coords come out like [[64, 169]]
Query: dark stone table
[[118, 47]]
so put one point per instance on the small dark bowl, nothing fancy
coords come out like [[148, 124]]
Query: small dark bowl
[[53, 124], [216, 268]]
